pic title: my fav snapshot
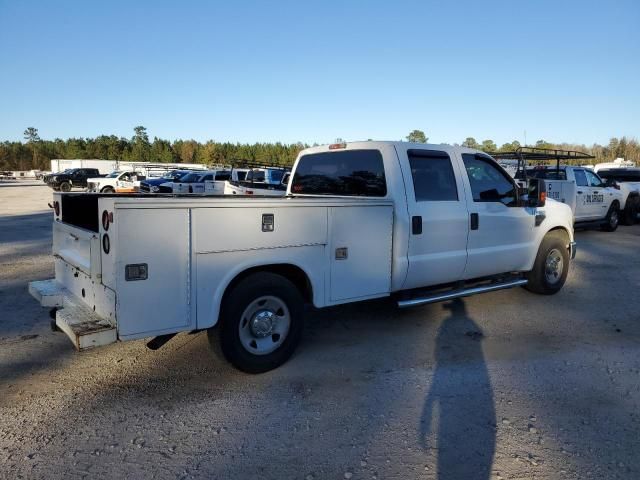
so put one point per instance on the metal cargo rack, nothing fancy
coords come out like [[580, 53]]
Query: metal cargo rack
[[540, 156]]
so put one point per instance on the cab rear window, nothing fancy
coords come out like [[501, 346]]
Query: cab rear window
[[344, 173]]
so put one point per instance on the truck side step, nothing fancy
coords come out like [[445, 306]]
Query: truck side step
[[459, 293], [157, 342], [48, 292]]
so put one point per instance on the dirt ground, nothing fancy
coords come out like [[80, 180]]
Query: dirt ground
[[502, 385]]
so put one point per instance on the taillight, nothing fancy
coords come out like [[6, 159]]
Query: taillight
[[106, 244], [105, 220], [336, 146]]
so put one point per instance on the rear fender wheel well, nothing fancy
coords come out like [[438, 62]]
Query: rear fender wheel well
[[293, 273]]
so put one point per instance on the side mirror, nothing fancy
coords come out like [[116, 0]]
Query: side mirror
[[537, 192]]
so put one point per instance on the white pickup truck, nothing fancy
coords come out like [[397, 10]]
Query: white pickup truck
[[627, 180], [589, 197], [123, 181], [423, 223]]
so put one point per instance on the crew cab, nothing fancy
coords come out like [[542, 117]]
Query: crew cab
[[121, 181], [589, 197], [627, 180], [420, 223], [71, 178]]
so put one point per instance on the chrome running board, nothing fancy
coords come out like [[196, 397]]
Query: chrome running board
[[465, 292]]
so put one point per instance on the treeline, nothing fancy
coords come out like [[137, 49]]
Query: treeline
[[35, 153]]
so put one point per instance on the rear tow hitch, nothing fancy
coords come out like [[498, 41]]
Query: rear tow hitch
[[52, 314]]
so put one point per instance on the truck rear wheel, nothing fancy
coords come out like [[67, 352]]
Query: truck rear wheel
[[65, 187], [260, 323], [630, 213], [612, 219], [108, 190], [551, 267]]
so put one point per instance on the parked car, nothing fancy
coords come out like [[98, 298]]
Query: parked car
[[627, 180], [266, 181], [71, 178], [195, 182], [152, 185], [422, 223], [118, 181]]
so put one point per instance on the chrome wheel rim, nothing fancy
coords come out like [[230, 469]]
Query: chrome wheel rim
[[553, 266], [264, 325]]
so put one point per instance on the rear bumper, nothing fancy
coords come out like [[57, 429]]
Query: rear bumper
[[572, 249], [84, 327]]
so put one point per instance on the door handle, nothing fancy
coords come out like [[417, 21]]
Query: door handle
[[416, 225], [475, 221]]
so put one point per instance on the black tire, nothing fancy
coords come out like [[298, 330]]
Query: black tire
[[630, 213], [108, 190], [612, 219], [246, 294], [65, 187], [554, 245]]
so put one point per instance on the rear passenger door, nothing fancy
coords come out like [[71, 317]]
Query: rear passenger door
[[439, 218]]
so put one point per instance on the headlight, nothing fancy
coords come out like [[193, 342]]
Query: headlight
[[53, 179], [155, 189]]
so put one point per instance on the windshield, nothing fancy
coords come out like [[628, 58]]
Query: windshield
[[113, 174], [255, 176], [170, 174], [190, 177]]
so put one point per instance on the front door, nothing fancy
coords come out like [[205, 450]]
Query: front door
[[596, 199], [439, 220], [501, 235]]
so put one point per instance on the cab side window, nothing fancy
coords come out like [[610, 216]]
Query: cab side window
[[581, 178], [433, 177], [593, 179], [489, 183]]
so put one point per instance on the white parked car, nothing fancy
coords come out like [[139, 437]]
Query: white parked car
[[265, 181], [627, 180], [195, 182], [422, 223]]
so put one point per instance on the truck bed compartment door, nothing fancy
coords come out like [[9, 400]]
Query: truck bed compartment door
[[360, 250], [159, 240]]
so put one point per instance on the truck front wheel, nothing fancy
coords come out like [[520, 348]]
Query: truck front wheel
[[65, 187], [551, 267], [260, 323]]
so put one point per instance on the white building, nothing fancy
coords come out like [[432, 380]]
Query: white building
[[108, 166]]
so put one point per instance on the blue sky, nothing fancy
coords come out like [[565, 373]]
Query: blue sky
[[314, 71]]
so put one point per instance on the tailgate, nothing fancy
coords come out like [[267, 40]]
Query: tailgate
[[77, 247]]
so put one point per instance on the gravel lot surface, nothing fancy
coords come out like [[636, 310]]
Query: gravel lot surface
[[501, 385]]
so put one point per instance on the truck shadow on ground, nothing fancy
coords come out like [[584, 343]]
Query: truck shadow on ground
[[459, 417]]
